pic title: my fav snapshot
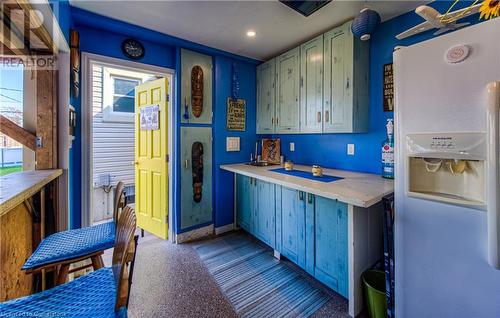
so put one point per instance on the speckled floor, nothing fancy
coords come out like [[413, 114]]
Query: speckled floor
[[170, 280]]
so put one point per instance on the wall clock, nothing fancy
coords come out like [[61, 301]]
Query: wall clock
[[133, 49]]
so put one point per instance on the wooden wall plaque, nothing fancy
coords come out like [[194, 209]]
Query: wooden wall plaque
[[236, 114]]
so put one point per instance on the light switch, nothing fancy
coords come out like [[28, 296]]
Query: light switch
[[350, 149], [292, 146], [232, 143]]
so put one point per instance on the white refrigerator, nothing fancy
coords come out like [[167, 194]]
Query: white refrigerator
[[447, 223]]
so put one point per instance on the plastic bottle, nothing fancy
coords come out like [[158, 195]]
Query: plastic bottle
[[388, 152]]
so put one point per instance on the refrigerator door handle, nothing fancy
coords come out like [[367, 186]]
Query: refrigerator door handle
[[493, 181]]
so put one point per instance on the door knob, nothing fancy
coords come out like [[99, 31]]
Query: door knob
[[136, 163]]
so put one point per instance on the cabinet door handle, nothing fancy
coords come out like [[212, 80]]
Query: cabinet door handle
[[319, 117], [327, 116], [347, 84], [186, 162], [310, 198]]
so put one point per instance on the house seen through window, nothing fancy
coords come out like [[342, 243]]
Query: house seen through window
[[123, 94]]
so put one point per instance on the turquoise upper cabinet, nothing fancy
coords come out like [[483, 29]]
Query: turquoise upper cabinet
[[264, 214], [345, 82], [311, 86], [244, 202], [319, 87], [292, 225], [330, 243], [266, 101], [287, 92]]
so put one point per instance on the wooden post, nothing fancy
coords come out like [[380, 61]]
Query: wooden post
[[46, 125]]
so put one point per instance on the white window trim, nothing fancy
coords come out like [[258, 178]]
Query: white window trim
[[86, 114]]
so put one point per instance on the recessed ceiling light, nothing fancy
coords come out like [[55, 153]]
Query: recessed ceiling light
[[251, 33]]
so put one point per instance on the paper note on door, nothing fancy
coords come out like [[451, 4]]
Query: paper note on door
[[149, 117]]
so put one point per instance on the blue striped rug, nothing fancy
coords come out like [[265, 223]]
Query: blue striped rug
[[256, 283]]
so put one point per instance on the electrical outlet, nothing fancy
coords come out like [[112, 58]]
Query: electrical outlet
[[350, 149], [292, 146]]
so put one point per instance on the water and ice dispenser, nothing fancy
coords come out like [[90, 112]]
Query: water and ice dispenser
[[448, 167]]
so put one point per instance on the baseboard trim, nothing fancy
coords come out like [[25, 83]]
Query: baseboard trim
[[195, 234], [223, 229]]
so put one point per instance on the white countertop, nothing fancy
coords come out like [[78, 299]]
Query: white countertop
[[359, 189]]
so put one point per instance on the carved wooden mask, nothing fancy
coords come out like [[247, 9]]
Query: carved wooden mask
[[197, 90], [197, 170]]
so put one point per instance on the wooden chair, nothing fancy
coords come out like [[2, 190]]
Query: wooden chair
[[62, 249], [102, 293]]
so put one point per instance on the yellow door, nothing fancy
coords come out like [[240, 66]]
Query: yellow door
[[151, 157]]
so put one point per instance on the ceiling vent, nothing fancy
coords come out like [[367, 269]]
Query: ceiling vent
[[306, 8]]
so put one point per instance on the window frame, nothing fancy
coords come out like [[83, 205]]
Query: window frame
[[108, 112]]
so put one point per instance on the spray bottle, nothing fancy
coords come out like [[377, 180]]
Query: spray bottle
[[388, 152]]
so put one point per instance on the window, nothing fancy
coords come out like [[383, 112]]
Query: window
[[11, 106], [114, 89], [123, 94]]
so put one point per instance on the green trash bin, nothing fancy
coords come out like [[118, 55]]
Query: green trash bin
[[374, 286]]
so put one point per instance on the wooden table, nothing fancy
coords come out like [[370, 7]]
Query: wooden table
[[17, 235]]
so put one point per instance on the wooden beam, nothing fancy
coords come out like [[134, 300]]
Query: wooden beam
[[17, 133], [46, 123], [30, 20], [11, 41]]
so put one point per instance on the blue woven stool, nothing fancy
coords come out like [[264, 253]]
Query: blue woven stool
[[98, 294], [68, 247]]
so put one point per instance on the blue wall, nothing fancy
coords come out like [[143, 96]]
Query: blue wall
[[224, 181], [103, 36], [330, 150]]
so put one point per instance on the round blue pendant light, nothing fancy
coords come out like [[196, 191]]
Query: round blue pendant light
[[365, 23]]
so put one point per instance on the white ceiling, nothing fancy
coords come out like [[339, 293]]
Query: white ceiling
[[223, 24]]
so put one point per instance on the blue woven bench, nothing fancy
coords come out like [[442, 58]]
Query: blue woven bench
[[67, 247], [102, 293]]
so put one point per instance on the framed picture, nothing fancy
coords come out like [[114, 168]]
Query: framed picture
[[271, 150], [236, 114], [388, 86]]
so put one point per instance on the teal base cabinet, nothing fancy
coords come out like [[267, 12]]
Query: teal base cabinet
[[333, 241], [290, 225], [312, 233], [330, 242], [264, 217], [244, 202], [309, 230], [255, 208]]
